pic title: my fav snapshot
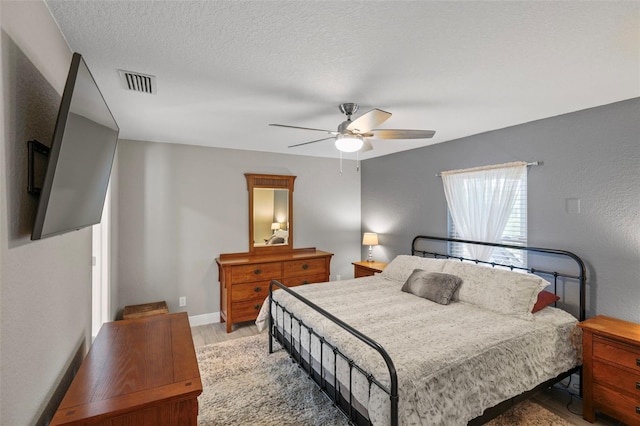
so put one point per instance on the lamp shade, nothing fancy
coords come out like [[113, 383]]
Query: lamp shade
[[370, 239], [275, 225]]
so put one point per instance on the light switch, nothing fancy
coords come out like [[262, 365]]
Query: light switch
[[573, 205]]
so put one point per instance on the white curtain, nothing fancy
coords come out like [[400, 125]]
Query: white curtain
[[480, 201]]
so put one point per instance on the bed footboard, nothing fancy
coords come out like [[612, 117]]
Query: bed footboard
[[330, 387]]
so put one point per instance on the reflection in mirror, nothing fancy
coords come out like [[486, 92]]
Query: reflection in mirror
[[270, 216], [270, 213]]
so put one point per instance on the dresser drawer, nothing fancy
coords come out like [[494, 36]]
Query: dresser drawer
[[616, 404], [307, 279], [256, 272], [617, 353], [246, 311], [304, 267], [247, 291]]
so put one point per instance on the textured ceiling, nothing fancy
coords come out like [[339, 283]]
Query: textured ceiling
[[226, 69]]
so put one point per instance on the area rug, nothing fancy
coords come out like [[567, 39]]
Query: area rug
[[243, 385]]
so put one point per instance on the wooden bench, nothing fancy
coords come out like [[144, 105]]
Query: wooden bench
[[144, 310]]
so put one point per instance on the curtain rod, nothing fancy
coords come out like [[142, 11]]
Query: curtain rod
[[533, 163]]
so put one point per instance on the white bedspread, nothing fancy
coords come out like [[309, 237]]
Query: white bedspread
[[453, 361]]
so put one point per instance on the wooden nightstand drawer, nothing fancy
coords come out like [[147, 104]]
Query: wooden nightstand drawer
[[616, 404], [247, 291], [304, 267], [617, 378], [256, 272], [617, 353]]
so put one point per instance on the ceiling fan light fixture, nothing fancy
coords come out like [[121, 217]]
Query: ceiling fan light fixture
[[349, 143]]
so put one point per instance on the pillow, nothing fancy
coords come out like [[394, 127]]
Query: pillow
[[403, 265], [545, 298], [499, 290], [281, 233], [435, 286], [275, 240]]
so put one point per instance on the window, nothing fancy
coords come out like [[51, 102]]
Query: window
[[478, 210]]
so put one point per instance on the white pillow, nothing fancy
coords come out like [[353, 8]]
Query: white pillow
[[403, 265], [506, 292]]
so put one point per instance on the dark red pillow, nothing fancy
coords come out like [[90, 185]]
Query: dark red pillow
[[545, 298]]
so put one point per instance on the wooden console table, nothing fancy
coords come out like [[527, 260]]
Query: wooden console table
[[140, 371]]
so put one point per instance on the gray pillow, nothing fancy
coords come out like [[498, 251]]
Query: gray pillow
[[435, 286], [275, 240]]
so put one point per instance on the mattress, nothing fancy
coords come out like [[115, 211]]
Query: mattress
[[453, 361]]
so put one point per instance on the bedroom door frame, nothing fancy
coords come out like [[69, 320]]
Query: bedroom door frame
[[101, 268]]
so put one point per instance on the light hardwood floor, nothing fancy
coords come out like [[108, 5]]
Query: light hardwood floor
[[556, 399]]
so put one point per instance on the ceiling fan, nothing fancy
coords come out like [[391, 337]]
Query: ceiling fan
[[353, 136]]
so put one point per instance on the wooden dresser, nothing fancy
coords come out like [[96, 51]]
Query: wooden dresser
[[611, 369], [366, 268], [244, 278], [138, 372]]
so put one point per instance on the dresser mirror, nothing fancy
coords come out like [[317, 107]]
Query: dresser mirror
[[270, 212]]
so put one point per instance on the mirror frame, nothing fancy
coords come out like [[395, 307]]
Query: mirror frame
[[270, 182]]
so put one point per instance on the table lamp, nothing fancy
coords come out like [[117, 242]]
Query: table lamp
[[275, 226], [370, 239]]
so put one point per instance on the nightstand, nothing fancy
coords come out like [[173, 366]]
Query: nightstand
[[611, 369], [366, 269]]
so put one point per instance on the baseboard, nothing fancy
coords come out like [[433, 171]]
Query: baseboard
[[204, 319]]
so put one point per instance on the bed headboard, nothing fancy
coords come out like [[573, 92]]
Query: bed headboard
[[572, 271]]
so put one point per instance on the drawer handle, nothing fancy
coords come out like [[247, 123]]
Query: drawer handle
[[257, 289], [305, 282], [256, 307], [305, 266], [637, 362], [259, 271], [637, 410]]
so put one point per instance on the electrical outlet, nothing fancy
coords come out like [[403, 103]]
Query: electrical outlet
[[182, 301]]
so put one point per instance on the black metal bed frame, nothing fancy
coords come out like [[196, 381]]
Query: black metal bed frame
[[332, 388]]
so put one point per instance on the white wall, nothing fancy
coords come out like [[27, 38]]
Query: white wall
[[45, 286], [180, 206]]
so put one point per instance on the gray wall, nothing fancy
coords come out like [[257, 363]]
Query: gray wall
[[592, 155], [180, 206], [45, 286]]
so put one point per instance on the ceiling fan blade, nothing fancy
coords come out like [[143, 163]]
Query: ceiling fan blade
[[402, 134], [331, 132], [307, 143], [366, 146], [368, 121]]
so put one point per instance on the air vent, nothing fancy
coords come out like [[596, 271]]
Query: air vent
[[138, 82]]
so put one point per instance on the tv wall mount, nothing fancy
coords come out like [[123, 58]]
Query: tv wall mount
[[34, 147]]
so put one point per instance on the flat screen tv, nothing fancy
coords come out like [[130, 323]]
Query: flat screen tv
[[80, 158]]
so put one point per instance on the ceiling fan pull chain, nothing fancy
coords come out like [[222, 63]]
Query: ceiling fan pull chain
[[340, 162], [357, 161]]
